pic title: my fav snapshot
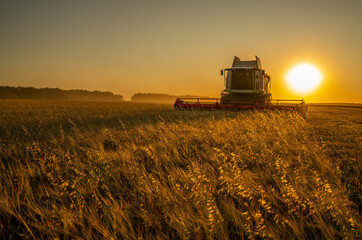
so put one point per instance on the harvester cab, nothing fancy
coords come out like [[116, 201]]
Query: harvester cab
[[246, 82]]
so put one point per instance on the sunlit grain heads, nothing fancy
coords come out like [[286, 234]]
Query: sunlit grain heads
[[208, 175], [110, 145]]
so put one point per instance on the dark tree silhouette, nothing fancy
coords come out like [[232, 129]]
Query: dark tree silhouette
[[7, 92]]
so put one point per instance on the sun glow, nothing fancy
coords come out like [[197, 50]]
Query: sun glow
[[304, 78]]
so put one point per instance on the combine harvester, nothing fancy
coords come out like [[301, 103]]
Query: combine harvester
[[247, 86]]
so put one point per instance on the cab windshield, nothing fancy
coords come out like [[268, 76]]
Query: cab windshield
[[242, 79]]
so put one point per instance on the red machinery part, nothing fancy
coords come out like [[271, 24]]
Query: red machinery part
[[215, 103]]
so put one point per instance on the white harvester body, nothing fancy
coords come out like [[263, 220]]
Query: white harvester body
[[245, 81]]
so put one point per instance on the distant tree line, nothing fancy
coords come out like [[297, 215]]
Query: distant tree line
[[156, 97], [56, 93]]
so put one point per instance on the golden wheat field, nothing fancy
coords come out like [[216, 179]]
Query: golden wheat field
[[108, 170]]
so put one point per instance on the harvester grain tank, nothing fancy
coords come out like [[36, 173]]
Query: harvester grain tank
[[247, 86]]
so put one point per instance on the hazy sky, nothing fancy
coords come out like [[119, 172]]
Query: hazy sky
[[179, 47]]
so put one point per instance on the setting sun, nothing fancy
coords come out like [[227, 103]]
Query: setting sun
[[304, 78]]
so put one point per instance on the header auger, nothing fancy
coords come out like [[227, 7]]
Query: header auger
[[247, 86]]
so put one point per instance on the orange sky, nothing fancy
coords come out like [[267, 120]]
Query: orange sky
[[179, 47]]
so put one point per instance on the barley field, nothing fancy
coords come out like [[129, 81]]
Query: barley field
[[108, 170]]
